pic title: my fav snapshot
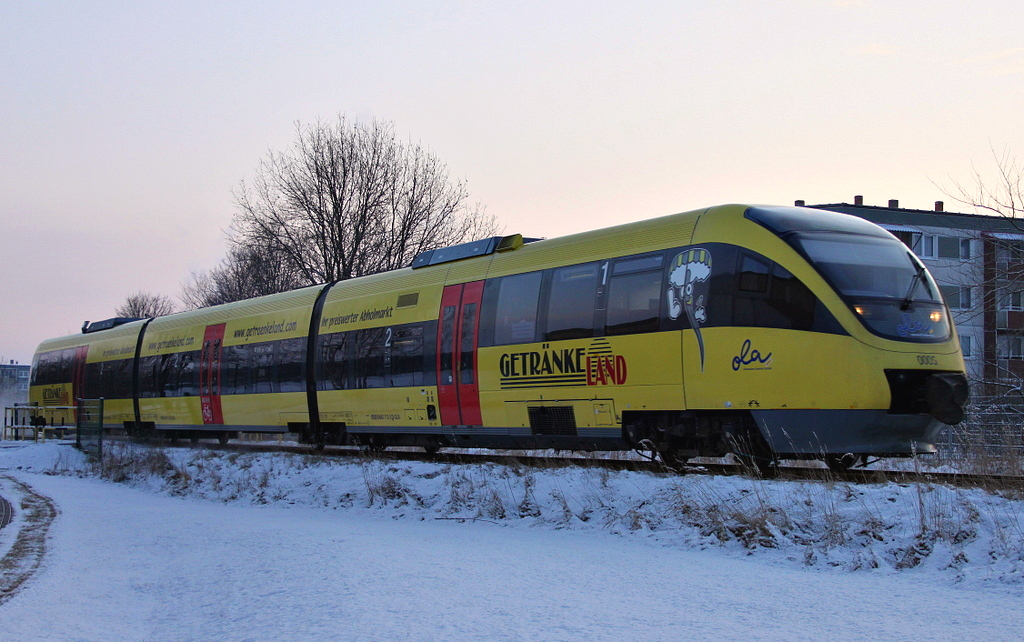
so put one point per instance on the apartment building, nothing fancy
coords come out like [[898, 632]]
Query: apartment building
[[13, 383]]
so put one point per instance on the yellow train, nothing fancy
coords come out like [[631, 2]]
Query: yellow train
[[770, 332]]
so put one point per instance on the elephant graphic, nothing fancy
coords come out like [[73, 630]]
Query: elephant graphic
[[688, 285]]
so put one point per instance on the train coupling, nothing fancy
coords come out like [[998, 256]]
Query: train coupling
[[943, 395], [947, 394]]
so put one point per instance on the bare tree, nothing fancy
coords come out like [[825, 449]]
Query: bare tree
[[1002, 196], [144, 305], [999, 193], [349, 199], [246, 272]]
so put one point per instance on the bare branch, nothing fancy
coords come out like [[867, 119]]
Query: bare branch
[[144, 305]]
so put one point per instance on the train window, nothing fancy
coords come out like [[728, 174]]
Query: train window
[[633, 303], [36, 366], [66, 367], [445, 360], [188, 374], [753, 274], [769, 296], [40, 369], [53, 368], [49, 367], [95, 380], [235, 373], [370, 362], [149, 371], [571, 302], [120, 374], [515, 319], [264, 377], [466, 349], [638, 264], [291, 356], [166, 373], [407, 356], [332, 362], [792, 300], [162, 375]]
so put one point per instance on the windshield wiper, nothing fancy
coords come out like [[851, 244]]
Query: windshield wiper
[[914, 282]]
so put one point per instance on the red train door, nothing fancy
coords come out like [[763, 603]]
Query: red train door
[[209, 374], [78, 374], [458, 388]]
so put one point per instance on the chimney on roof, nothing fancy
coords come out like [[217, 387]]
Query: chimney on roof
[[858, 200], [938, 206], [894, 204], [799, 203]]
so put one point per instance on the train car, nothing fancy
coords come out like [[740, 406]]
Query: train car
[[768, 332]]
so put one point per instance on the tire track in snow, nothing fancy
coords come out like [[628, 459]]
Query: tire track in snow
[[29, 548], [6, 512]]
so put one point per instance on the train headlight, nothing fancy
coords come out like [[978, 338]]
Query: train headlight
[[935, 316], [862, 310]]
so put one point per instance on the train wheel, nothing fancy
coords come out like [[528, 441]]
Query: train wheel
[[375, 445], [223, 438], [842, 463]]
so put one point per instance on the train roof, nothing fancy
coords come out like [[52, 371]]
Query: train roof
[[487, 258]]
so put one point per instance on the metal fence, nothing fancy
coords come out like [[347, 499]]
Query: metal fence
[[89, 427], [990, 439], [32, 421]]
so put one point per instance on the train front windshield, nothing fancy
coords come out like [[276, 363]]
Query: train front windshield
[[882, 281]]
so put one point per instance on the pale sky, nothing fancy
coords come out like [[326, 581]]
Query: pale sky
[[124, 126]]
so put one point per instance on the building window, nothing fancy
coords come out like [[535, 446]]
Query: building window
[[957, 298], [1012, 348], [926, 248], [965, 345], [951, 247], [1012, 301], [910, 239]]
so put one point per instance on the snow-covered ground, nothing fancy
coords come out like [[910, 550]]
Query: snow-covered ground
[[212, 545]]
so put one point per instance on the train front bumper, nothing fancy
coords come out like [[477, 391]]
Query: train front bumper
[[815, 433]]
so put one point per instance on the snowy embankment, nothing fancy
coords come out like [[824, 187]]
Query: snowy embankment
[[966, 536], [193, 544]]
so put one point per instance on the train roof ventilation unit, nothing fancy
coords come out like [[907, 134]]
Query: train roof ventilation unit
[[107, 324], [469, 250]]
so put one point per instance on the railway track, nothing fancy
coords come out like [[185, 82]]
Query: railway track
[[800, 471], [790, 472]]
